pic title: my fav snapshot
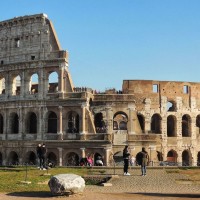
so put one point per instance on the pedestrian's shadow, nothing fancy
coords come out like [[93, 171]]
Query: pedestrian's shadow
[[168, 195], [41, 194]]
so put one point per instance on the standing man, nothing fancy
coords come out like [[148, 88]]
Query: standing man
[[126, 155], [143, 159], [43, 157]]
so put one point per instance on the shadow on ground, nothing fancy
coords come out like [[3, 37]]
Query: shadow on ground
[[42, 194], [168, 195]]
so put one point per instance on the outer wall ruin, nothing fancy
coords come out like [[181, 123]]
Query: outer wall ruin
[[39, 104]]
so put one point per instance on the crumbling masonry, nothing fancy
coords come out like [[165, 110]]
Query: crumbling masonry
[[39, 104]]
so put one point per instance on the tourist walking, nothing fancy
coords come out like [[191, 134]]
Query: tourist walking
[[143, 159], [126, 155]]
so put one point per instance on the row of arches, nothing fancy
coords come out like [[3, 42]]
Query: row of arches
[[32, 120], [71, 159], [33, 81], [120, 120]]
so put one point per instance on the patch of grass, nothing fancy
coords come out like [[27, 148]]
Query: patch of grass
[[169, 171], [192, 173], [11, 178]]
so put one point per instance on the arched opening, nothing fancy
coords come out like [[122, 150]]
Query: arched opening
[[156, 124], [186, 158], [13, 158], [34, 84], [118, 158], [32, 123], [171, 126], [2, 86], [53, 82], [172, 156], [141, 122], [14, 123], [198, 159], [72, 159], [198, 123], [31, 158], [52, 122], [52, 159], [120, 119], [99, 123], [171, 106], [16, 86], [1, 124], [73, 122], [186, 120]]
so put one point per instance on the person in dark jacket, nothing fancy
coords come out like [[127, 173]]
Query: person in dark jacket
[[143, 159], [41, 152], [126, 156]]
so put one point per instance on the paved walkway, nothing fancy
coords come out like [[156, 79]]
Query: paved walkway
[[156, 181], [157, 185]]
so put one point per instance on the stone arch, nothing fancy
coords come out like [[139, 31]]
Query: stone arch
[[52, 159], [141, 120], [156, 123], [172, 156], [53, 82], [33, 84], [31, 123], [72, 122], [31, 158], [118, 157], [99, 123], [14, 123], [71, 159], [186, 158], [13, 158], [171, 126], [186, 126], [1, 123], [52, 122], [120, 119]]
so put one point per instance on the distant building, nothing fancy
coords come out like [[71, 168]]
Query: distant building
[[74, 122]]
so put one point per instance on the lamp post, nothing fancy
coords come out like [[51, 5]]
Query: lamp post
[[151, 148]]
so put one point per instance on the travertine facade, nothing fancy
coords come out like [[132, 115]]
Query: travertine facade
[[39, 104]]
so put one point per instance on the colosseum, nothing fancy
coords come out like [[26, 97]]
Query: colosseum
[[40, 104]]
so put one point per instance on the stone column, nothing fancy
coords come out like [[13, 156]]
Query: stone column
[[131, 108], [60, 151], [82, 152], [83, 131], [109, 116], [107, 156], [20, 128], [60, 79], [22, 87], [60, 123], [39, 129]]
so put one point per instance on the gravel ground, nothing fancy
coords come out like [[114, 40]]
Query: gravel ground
[[156, 185]]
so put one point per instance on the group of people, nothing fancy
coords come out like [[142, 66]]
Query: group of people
[[142, 159]]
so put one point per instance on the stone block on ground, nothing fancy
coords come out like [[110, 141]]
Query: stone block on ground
[[66, 183]]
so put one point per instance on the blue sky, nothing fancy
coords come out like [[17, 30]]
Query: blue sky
[[114, 40]]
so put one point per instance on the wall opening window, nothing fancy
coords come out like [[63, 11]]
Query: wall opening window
[[1, 62], [32, 57], [155, 88], [185, 89], [17, 42]]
